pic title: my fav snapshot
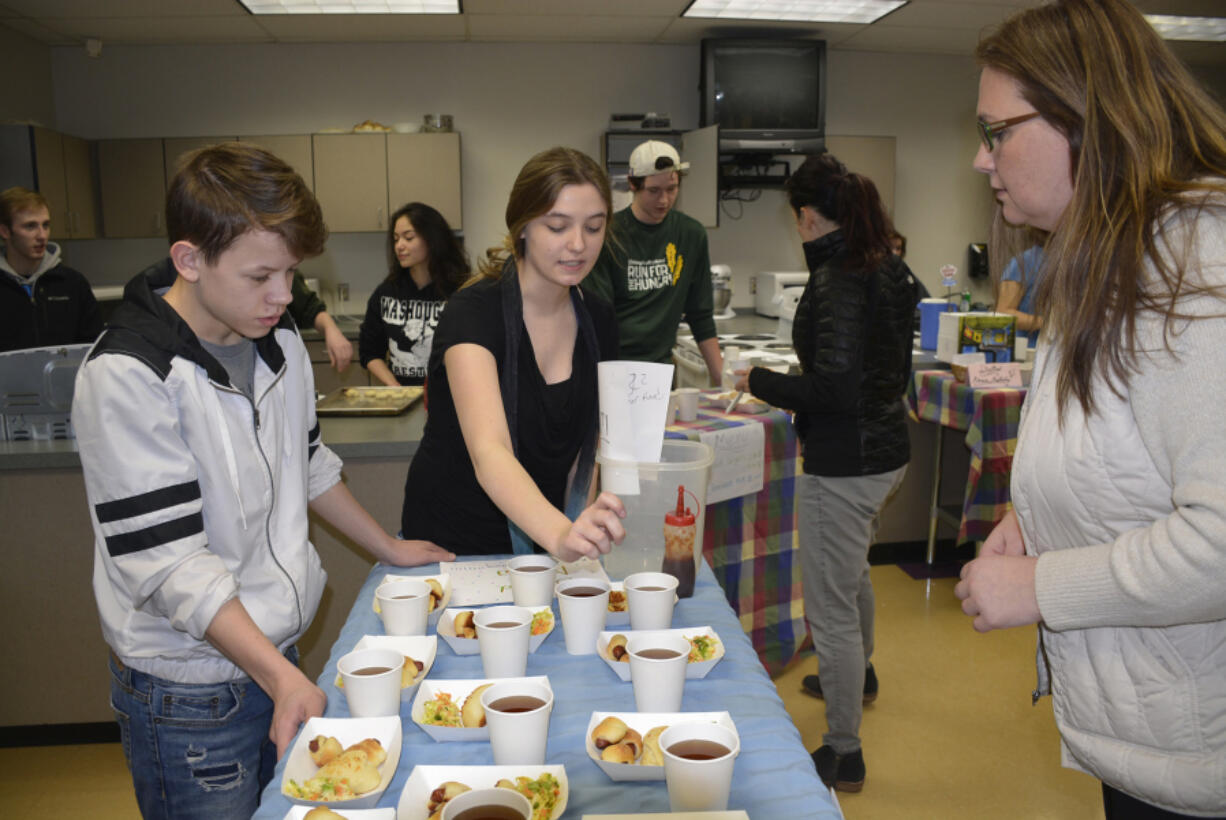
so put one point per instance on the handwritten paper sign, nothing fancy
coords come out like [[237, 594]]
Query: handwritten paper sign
[[740, 454], [1004, 374], [633, 409]]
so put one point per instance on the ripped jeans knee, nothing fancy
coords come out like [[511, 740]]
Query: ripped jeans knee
[[194, 751]]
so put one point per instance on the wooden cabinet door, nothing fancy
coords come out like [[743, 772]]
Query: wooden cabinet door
[[293, 148], [82, 188], [425, 168], [52, 180], [132, 182], [351, 180]]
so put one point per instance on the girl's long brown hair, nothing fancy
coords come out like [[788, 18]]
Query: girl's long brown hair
[[1145, 139], [535, 191]]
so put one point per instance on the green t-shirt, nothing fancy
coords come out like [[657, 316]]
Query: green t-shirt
[[654, 275]]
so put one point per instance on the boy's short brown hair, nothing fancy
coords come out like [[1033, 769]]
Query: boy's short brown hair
[[17, 199], [222, 191]]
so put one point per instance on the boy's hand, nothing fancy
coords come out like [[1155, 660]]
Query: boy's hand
[[415, 553], [295, 703]]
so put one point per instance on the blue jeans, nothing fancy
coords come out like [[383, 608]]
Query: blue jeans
[[194, 750]]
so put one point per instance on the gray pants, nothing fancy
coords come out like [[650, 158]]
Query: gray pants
[[838, 521]]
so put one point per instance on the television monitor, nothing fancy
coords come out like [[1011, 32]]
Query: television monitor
[[766, 95]]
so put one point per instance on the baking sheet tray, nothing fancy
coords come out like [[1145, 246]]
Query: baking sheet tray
[[367, 401]]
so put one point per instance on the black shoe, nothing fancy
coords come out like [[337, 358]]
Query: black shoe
[[844, 773], [812, 685]]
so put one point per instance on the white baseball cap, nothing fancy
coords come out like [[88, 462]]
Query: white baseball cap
[[655, 157]]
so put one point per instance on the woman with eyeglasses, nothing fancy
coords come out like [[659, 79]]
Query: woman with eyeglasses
[[1094, 134], [853, 336]]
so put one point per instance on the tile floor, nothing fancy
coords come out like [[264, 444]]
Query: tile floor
[[952, 735]]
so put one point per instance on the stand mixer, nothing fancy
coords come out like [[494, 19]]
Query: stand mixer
[[721, 290]]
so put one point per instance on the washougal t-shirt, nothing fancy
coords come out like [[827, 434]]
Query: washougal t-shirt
[[655, 275], [399, 326]]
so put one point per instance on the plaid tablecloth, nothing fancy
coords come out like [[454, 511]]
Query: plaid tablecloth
[[751, 542], [990, 419]]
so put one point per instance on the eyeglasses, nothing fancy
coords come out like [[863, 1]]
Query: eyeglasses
[[989, 131]]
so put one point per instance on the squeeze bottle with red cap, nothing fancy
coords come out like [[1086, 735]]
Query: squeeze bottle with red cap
[[679, 533]]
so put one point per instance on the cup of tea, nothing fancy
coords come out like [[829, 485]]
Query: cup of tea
[[371, 680], [650, 597], [404, 606], [517, 714], [687, 403], [658, 661], [488, 804], [503, 633], [532, 578], [698, 763], [583, 604]]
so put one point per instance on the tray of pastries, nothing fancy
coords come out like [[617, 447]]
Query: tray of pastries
[[367, 401]]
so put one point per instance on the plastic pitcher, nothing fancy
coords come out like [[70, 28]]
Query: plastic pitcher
[[664, 521]]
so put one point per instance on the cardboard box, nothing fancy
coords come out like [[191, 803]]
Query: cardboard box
[[989, 333]]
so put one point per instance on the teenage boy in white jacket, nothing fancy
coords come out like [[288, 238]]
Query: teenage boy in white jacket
[[196, 425]]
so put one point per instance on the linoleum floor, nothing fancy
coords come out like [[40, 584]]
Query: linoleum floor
[[952, 735]]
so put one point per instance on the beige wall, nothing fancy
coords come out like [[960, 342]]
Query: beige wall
[[510, 100], [26, 67]]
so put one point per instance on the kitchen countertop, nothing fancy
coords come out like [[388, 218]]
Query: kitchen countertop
[[383, 437]]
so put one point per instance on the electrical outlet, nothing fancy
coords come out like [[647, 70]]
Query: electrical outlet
[[342, 292]]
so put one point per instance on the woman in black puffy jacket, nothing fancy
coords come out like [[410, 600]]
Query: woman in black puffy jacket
[[853, 335]]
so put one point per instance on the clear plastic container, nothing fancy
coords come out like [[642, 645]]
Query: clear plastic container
[[653, 518]]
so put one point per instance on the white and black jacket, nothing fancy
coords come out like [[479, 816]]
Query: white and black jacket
[[197, 494]]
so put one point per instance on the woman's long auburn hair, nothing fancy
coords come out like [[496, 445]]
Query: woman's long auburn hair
[[848, 199], [535, 191], [1145, 139]]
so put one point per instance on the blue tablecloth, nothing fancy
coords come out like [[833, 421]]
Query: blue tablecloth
[[774, 776]]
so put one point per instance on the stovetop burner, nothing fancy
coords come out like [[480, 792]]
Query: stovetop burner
[[776, 346], [752, 337]]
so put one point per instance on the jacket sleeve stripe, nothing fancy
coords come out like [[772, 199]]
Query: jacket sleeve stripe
[[157, 535], [149, 502]]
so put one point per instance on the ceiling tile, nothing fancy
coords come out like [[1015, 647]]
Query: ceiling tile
[[163, 30], [585, 29], [583, 8], [913, 39], [127, 8]]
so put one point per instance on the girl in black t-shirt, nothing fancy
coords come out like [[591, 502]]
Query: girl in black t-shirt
[[426, 265], [511, 435]]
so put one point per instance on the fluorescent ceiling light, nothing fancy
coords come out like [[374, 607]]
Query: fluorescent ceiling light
[[807, 11], [1204, 29], [352, 6]]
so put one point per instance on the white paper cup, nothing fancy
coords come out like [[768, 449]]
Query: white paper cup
[[583, 617], [532, 578], [487, 797], [518, 737], [504, 649], [687, 403], [372, 695], [404, 606], [650, 597], [698, 785], [658, 682]]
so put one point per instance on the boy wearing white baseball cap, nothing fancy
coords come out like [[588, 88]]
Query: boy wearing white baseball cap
[[658, 269]]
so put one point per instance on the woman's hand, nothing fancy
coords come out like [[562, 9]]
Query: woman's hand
[[998, 591], [1005, 538], [742, 380], [595, 531]]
